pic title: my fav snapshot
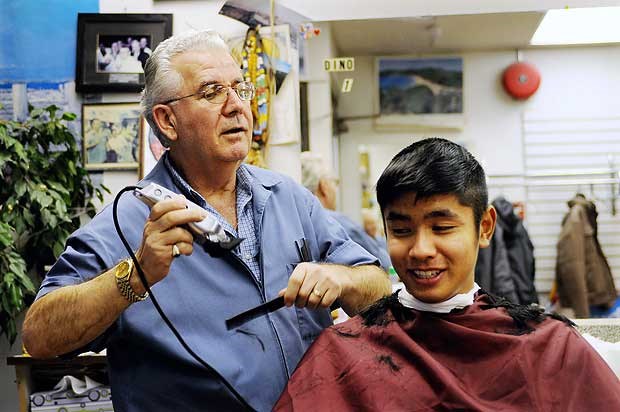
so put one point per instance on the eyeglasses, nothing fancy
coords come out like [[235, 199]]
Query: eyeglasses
[[218, 93]]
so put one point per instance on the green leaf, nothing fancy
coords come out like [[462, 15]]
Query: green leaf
[[71, 167], [20, 188], [28, 218], [59, 247], [48, 218], [68, 116]]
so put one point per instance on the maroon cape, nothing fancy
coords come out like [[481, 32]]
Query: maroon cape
[[480, 358]]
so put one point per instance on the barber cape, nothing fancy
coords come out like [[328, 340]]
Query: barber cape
[[490, 356]]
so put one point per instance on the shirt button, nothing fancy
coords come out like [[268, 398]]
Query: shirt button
[[247, 256]]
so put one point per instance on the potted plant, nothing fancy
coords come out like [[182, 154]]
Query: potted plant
[[43, 192]]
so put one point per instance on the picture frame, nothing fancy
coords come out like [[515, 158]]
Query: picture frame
[[419, 92], [110, 136], [113, 48], [151, 149]]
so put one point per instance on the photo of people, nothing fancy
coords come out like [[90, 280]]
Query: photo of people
[[122, 53], [111, 135]]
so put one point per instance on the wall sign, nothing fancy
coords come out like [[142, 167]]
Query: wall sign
[[339, 64], [347, 85]]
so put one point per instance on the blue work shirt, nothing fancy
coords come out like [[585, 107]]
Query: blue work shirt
[[149, 370]]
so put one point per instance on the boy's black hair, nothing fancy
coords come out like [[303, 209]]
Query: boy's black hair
[[431, 167]]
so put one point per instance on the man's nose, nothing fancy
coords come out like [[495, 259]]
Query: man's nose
[[233, 103], [423, 246]]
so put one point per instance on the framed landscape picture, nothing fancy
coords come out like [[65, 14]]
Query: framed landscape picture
[[112, 49], [424, 92], [110, 136]]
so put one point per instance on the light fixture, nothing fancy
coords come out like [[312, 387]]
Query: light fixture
[[579, 26]]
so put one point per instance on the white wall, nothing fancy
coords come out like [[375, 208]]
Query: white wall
[[320, 95], [579, 82]]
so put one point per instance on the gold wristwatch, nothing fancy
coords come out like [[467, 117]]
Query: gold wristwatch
[[122, 275]]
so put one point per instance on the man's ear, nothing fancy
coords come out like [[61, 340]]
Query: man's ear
[[166, 120], [321, 188], [487, 226]]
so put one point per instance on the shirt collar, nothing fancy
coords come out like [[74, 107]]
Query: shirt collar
[[244, 180]]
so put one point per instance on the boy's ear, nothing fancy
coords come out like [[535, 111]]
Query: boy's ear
[[166, 120], [487, 226]]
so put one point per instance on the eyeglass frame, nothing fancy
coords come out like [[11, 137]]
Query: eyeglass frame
[[204, 91]]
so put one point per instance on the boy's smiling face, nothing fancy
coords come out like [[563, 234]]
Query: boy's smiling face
[[433, 244]]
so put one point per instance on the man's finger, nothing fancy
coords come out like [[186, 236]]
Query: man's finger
[[294, 284], [328, 298], [164, 206], [177, 217], [315, 297]]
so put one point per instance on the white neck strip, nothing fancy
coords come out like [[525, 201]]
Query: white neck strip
[[459, 301]]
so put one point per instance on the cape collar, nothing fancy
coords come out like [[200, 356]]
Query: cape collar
[[458, 301]]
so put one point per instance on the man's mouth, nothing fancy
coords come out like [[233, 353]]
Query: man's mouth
[[234, 130]]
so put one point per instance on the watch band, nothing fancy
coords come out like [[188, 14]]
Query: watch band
[[123, 274]]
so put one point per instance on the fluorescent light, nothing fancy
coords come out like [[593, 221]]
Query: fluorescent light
[[579, 26]]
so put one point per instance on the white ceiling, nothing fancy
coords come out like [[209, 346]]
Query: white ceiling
[[333, 10], [393, 27], [434, 34]]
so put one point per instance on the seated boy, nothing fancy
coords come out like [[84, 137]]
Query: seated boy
[[443, 343]]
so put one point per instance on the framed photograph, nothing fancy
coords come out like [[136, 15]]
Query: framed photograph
[[112, 49], [424, 92], [110, 136], [151, 149]]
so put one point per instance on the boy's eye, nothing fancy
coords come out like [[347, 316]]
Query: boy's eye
[[441, 228], [400, 231]]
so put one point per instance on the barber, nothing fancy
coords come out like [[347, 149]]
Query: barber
[[198, 103]]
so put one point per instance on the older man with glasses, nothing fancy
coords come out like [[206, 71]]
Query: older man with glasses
[[198, 104]]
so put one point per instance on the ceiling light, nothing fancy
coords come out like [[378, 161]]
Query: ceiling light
[[579, 26]]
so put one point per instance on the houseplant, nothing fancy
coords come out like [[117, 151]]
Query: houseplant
[[43, 192]]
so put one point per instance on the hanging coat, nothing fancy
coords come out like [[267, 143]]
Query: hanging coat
[[582, 273], [507, 267]]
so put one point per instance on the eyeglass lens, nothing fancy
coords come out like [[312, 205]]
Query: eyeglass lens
[[218, 93]]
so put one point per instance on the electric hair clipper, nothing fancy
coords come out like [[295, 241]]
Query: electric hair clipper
[[208, 232]]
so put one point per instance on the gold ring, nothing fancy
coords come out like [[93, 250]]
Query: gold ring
[[317, 292], [175, 250]]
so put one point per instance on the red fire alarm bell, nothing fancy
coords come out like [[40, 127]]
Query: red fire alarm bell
[[521, 80]]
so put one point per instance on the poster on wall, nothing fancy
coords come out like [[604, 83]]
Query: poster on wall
[[112, 49], [110, 133], [420, 92]]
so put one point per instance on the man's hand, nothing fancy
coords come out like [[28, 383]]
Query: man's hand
[[318, 285], [162, 231], [315, 285]]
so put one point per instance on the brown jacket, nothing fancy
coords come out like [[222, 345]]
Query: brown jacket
[[582, 273]]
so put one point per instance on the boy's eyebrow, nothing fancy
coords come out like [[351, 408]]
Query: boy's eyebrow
[[440, 213], [397, 216]]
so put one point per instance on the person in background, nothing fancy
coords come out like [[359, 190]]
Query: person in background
[[369, 221], [198, 104], [316, 177], [144, 51], [442, 343]]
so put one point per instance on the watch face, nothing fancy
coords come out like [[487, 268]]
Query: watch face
[[123, 269]]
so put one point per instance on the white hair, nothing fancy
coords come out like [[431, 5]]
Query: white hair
[[162, 81], [313, 169]]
